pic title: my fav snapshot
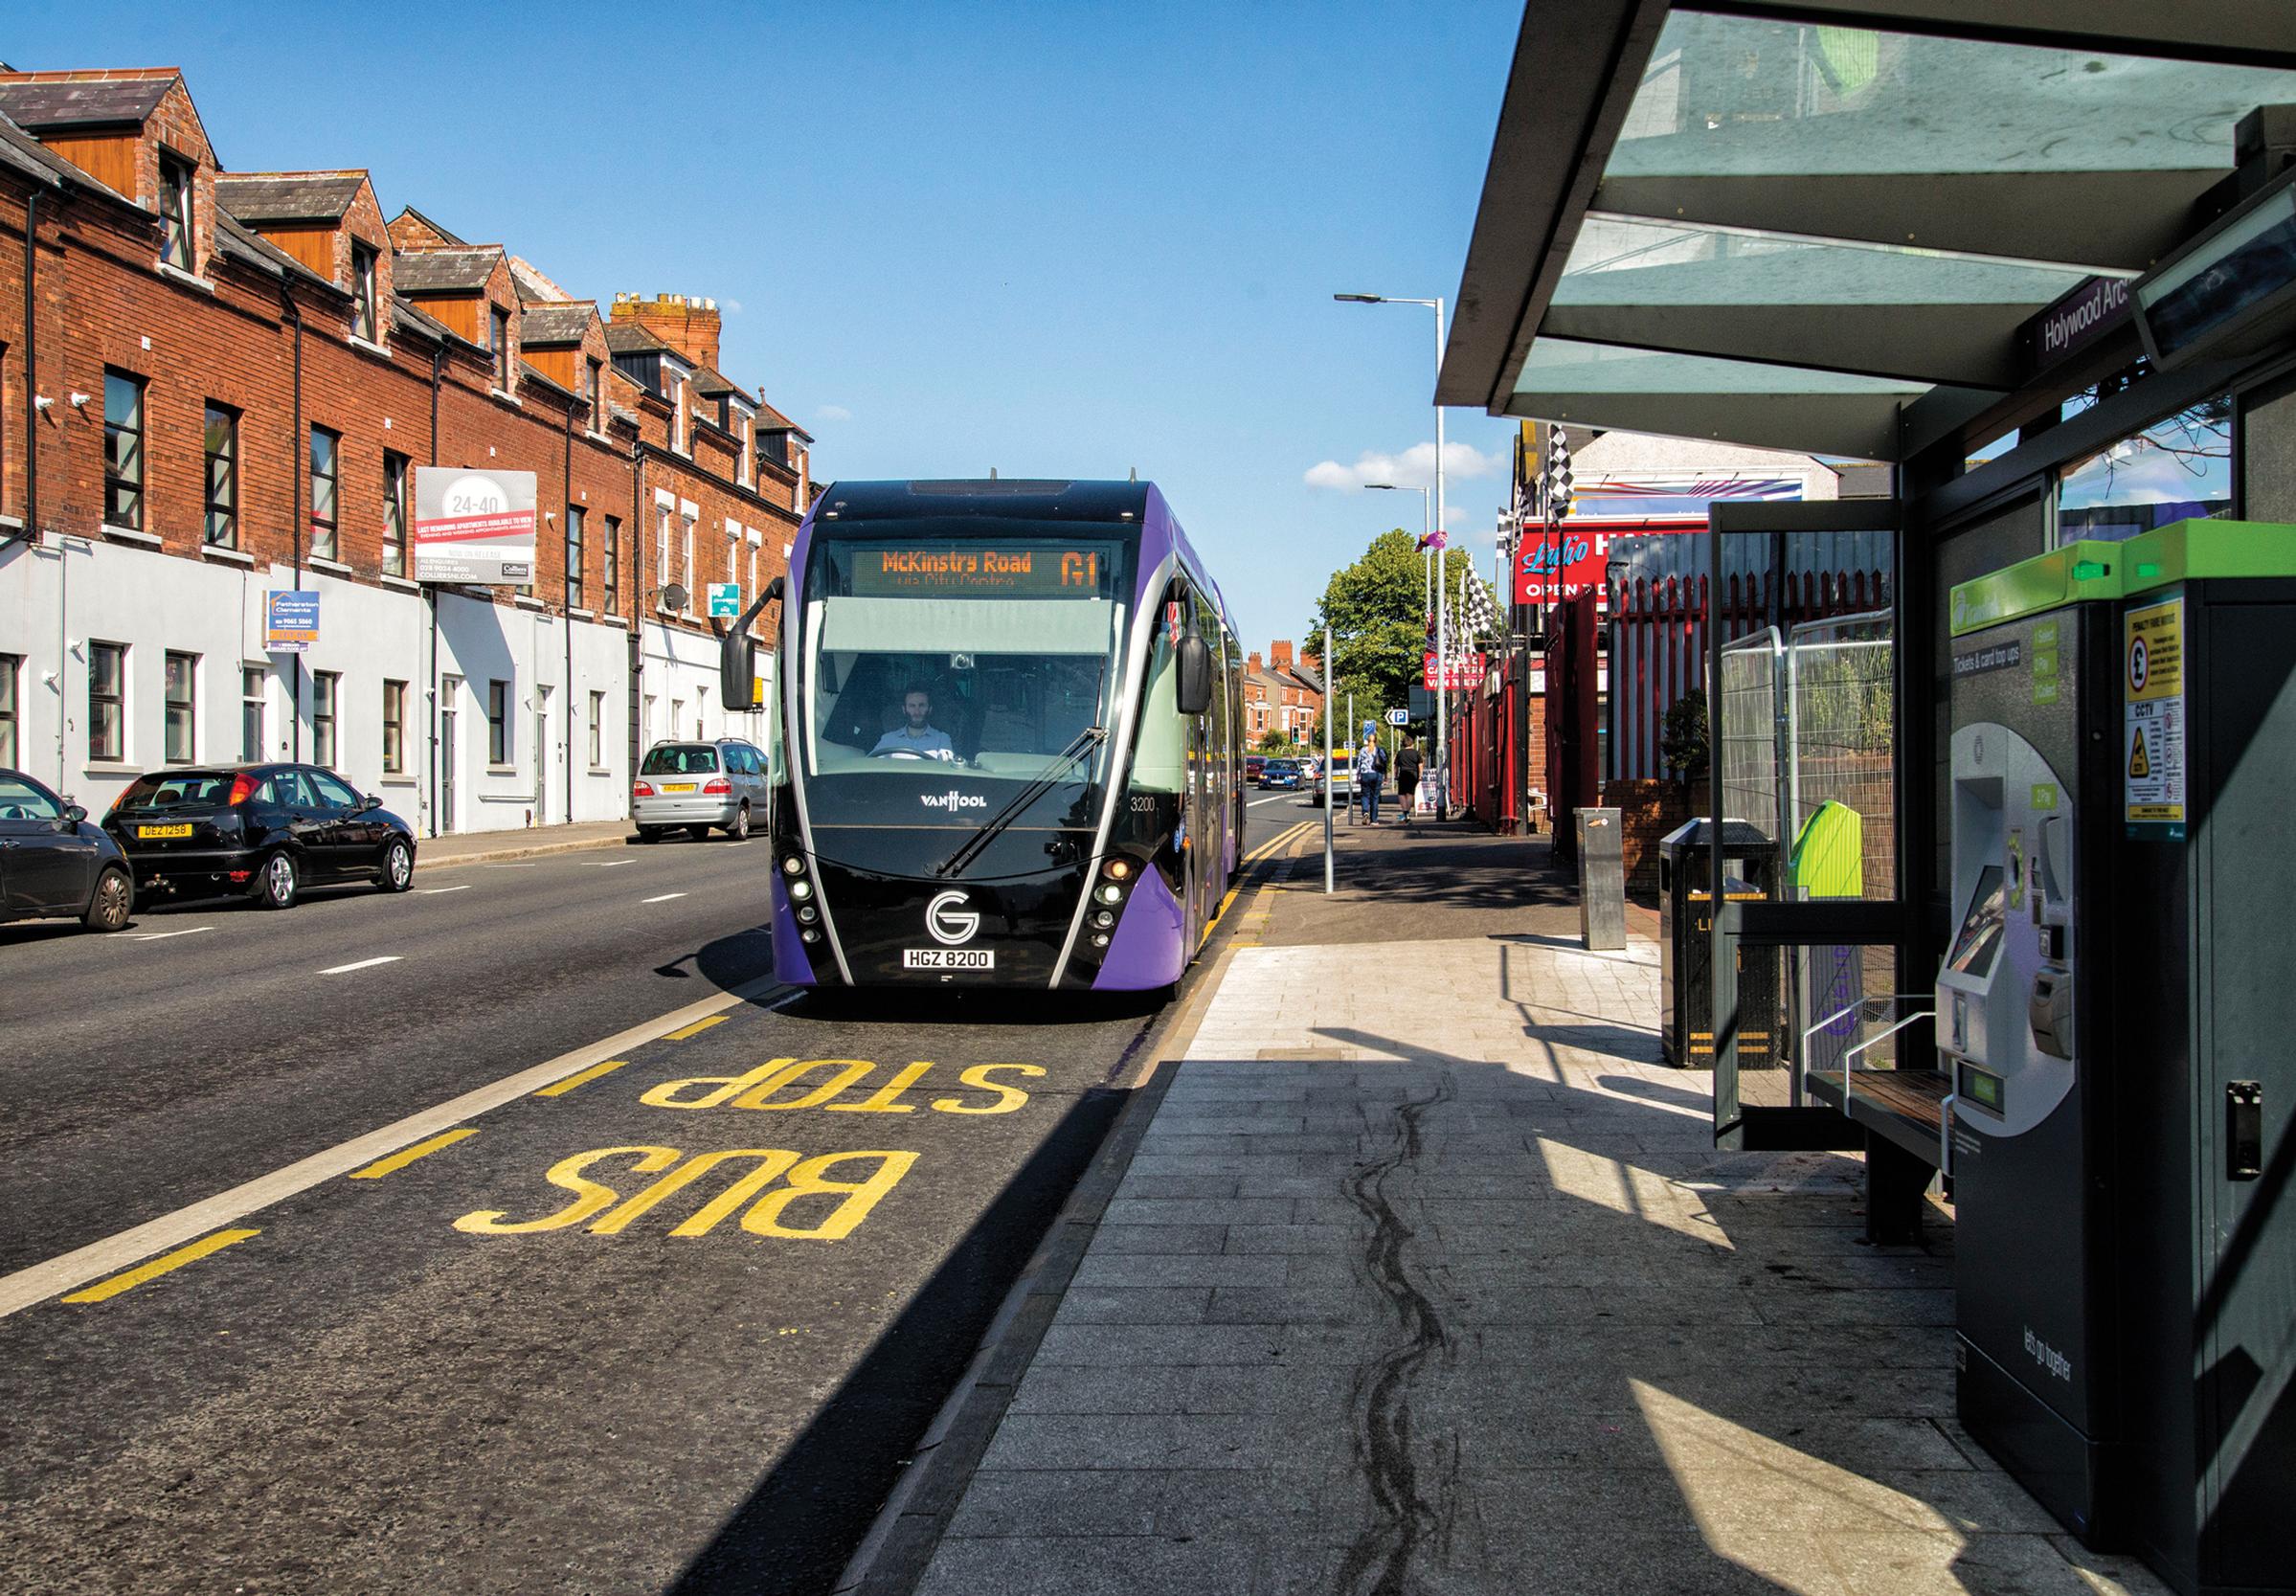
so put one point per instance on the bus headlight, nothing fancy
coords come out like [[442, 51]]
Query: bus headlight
[[807, 914], [810, 934], [1111, 892], [792, 865], [1099, 940], [800, 889], [1104, 918], [1118, 869]]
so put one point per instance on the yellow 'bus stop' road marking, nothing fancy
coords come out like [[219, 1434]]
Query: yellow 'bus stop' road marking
[[160, 1266], [67, 1270]]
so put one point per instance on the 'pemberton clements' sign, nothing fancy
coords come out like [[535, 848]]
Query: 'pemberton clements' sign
[[474, 526]]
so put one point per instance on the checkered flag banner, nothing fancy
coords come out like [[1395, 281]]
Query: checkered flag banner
[[1557, 475], [1479, 617]]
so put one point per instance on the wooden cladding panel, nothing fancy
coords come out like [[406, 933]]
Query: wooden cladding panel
[[110, 158], [313, 246], [562, 367], [463, 314]]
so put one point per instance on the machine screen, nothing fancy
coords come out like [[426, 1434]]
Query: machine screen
[[1979, 942]]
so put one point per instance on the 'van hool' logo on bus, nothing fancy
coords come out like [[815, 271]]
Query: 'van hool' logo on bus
[[2047, 1355], [948, 922], [952, 800]]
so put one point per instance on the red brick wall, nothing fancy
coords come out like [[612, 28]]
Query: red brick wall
[[1647, 810]]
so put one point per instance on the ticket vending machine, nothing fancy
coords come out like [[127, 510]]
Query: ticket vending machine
[[2116, 1008]]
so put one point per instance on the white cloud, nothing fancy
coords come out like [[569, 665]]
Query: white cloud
[[731, 308], [834, 413], [1414, 467]]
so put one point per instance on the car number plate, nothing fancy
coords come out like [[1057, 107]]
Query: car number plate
[[162, 831], [677, 786], [948, 958]]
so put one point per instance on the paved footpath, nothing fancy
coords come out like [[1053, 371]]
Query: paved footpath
[[1425, 1276]]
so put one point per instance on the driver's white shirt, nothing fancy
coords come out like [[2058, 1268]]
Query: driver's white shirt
[[929, 741]]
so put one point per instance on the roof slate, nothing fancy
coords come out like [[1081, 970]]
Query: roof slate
[[556, 321], [259, 197], [443, 271], [629, 338], [42, 103]]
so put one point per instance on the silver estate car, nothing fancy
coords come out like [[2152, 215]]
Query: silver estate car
[[698, 785]]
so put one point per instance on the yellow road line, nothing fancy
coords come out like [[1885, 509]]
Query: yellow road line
[[1276, 842], [160, 1266], [696, 1028], [559, 1089], [406, 1155]]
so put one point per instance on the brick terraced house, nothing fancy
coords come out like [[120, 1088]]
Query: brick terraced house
[[1280, 696], [215, 385]]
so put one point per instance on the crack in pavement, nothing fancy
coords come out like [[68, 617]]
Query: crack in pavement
[[1382, 1389]]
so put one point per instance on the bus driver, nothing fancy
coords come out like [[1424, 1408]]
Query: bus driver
[[914, 737]]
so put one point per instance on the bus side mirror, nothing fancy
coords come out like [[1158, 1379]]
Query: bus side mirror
[[737, 655], [1195, 686], [736, 667]]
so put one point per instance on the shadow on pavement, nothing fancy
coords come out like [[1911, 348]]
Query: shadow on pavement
[[795, 1533]]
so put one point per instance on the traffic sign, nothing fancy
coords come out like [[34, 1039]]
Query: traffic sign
[[1399, 718]]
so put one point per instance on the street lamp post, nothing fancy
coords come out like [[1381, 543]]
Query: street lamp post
[[1442, 619]]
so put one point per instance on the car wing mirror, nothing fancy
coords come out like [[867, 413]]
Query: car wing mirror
[[369, 801], [74, 814]]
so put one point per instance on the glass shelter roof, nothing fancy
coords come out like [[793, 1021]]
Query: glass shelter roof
[[1782, 230]]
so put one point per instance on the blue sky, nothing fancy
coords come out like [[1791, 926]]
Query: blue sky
[[1056, 239]]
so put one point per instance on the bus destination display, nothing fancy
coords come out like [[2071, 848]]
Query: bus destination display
[[886, 571]]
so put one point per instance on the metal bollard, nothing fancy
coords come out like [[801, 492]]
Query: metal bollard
[[1602, 880]]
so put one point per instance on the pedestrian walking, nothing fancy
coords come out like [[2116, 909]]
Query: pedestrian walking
[[1370, 768], [1406, 777]]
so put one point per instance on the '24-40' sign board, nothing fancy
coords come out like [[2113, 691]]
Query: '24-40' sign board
[[474, 526]]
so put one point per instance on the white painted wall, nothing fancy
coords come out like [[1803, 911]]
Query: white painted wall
[[57, 596]]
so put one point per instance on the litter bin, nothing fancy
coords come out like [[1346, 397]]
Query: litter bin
[[1687, 925]]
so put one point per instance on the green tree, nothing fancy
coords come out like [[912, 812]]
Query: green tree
[[1375, 609]]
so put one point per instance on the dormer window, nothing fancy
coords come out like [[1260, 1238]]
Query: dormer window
[[362, 291], [175, 212], [498, 339]]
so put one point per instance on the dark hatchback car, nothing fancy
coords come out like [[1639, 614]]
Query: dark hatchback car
[[55, 863], [1283, 775], [266, 830]]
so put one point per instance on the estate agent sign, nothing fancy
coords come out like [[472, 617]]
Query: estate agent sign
[[474, 526]]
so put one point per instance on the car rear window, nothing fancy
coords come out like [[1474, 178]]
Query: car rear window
[[679, 759], [178, 790]]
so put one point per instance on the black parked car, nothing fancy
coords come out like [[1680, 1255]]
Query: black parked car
[[55, 863], [267, 830]]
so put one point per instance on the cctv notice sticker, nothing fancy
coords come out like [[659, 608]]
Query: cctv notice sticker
[[2153, 718]]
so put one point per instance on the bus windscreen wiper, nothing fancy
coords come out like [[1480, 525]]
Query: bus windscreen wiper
[[1082, 745]]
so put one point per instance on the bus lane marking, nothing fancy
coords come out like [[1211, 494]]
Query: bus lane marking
[[434, 892], [767, 1204], [381, 1167], [163, 935], [790, 1084], [664, 898], [104, 1290], [35, 1283], [559, 1089], [684, 1032]]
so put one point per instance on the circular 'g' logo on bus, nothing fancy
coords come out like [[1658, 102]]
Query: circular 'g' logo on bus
[[948, 922]]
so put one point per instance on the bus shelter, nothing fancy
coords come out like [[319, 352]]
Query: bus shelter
[[2037, 259]]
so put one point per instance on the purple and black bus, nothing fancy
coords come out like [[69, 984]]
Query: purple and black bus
[[1006, 739]]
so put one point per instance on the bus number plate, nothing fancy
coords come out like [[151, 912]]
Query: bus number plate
[[948, 958]]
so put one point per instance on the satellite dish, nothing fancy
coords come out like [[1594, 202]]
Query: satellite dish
[[674, 596]]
